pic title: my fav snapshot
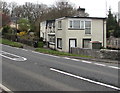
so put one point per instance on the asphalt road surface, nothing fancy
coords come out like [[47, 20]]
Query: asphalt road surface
[[27, 70]]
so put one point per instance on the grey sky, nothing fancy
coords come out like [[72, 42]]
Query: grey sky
[[96, 8]]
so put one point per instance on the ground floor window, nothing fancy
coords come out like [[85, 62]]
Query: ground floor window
[[59, 43], [86, 43], [52, 39]]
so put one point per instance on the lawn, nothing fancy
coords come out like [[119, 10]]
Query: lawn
[[11, 43], [58, 53]]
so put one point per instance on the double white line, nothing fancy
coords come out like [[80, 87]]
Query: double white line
[[5, 89], [16, 57]]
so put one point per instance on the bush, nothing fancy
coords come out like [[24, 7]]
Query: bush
[[5, 30], [40, 44], [41, 38]]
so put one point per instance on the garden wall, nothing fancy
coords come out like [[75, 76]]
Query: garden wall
[[102, 54]]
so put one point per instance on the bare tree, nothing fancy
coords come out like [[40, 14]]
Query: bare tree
[[4, 7], [61, 9], [12, 7]]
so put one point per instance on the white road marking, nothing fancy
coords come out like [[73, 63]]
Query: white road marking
[[100, 64], [24, 49], [114, 67], [37, 53], [86, 62], [75, 59], [5, 89], [85, 79], [45, 54], [17, 58], [66, 57]]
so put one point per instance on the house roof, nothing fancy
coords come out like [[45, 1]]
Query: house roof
[[82, 17], [86, 17], [80, 9]]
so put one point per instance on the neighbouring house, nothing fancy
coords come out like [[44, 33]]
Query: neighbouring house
[[13, 23], [4, 19], [113, 42], [76, 32], [47, 32]]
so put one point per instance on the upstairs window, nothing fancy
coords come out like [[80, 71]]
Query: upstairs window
[[59, 25], [71, 24], [82, 25], [87, 27], [76, 24]]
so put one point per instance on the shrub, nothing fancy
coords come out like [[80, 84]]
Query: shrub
[[5, 30], [40, 44]]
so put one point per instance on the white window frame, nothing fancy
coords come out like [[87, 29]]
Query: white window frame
[[59, 24], [72, 26], [59, 43], [88, 28], [83, 24], [75, 24]]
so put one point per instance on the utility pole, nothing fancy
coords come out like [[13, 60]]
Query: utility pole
[[106, 12]]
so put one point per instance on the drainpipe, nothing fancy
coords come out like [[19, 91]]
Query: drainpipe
[[103, 33]]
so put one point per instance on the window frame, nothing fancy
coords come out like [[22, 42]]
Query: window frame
[[71, 25], [59, 46], [60, 25], [88, 28]]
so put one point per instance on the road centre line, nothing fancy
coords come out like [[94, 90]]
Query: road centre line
[[5, 89], [85, 79]]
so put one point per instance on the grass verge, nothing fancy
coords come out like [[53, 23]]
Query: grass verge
[[42, 50], [11, 43], [58, 53]]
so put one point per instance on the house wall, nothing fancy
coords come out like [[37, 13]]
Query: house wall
[[66, 34], [61, 33], [43, 29], [113, 42]]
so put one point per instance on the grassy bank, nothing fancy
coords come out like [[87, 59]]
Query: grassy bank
[[57, 53], [42, 50], [11, 43]]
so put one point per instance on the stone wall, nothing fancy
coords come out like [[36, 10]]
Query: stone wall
[[102, 54], [110, 54]]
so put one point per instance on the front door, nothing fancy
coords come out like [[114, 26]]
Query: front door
[[72, 43]]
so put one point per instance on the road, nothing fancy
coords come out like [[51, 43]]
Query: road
[[27, 70]]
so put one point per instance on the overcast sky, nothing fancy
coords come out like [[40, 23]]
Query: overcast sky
[[96, 8]]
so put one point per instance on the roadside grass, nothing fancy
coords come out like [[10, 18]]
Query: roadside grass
[[58, 53], [42, 50], [10, 43]]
